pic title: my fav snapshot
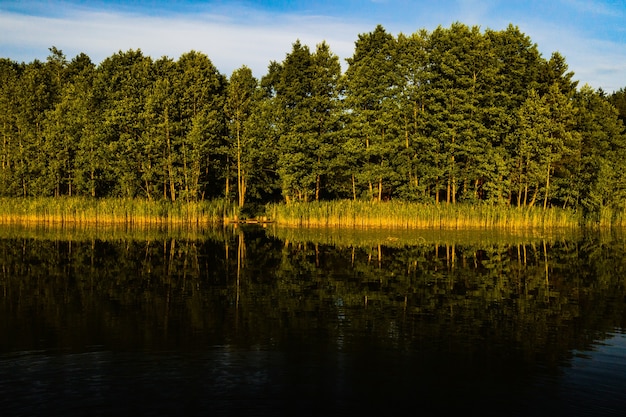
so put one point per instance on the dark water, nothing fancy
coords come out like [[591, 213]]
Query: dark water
[[311, 323]]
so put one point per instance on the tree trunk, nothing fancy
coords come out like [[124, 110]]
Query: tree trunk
[[318, 181], [317, 187], [170, 168], [92, 177], [185, 173], [545, 200], [532, 201], [453, 190], [240, 186]]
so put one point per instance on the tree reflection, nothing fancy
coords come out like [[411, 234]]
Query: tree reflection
[[544, 296]]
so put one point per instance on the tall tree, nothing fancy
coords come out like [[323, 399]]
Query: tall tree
[[618, 99], [461, 73], [416, 156], [240, 93], [35, 95], [517, 63], [92, 165], [121, 86], [158, 174], [556, 71], [10, 73], [201, 148], [546, 132], [564, 141], [262, 129], [304, 92], [325, 117], [598, 179], [293, 90], [65, 125], [369, 81]]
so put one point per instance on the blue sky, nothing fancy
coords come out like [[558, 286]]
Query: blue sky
[[591, 34]]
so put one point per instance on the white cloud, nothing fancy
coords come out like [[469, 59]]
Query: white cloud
[[595, 7], [228, 44], [474, 12], [597, 62], [233, 37]]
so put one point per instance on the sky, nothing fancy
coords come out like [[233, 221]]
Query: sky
[[590, 34]]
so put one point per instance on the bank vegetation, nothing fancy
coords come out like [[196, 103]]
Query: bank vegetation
[[450, 128]]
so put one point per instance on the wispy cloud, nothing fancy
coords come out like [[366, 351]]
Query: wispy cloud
[[474, 12], [233, 34], [597, 7], [594, 61], [228, 42]]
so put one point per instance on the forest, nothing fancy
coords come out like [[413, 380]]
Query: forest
[[452, 115]]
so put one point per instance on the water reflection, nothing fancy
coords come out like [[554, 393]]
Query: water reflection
[[256, 321]]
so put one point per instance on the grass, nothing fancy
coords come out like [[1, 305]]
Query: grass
[[130, 212], [405, 215], [338, 214]]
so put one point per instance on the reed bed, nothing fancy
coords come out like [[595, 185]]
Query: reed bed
[[129, 212], [138, 213], [406, 215]]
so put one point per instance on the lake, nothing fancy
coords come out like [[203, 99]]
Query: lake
[[254, 321]]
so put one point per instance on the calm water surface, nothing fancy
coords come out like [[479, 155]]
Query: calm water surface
[[271, 322]]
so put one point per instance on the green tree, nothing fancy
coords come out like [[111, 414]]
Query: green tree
[[10, 73], [555, 71], [293, 89], [462, 69], [65, 124], [262, 130], [163, 125], [546, 137], [417, 155], [562, 146], [601, 155], [92, 164], [618, 99], [239, 100], [35, 95], [121, 86], [303, 90], [201, 149], [369, 83], [324, 117], [517, 63]]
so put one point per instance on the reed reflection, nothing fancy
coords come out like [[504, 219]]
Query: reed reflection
[[281, 288]]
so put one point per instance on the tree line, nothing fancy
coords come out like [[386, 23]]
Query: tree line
[[451, 115]]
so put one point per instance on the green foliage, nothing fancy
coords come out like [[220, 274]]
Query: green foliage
[[304, 101], [370, 87], [601, 158], [239, 98], [618, 99], [455, 115]]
